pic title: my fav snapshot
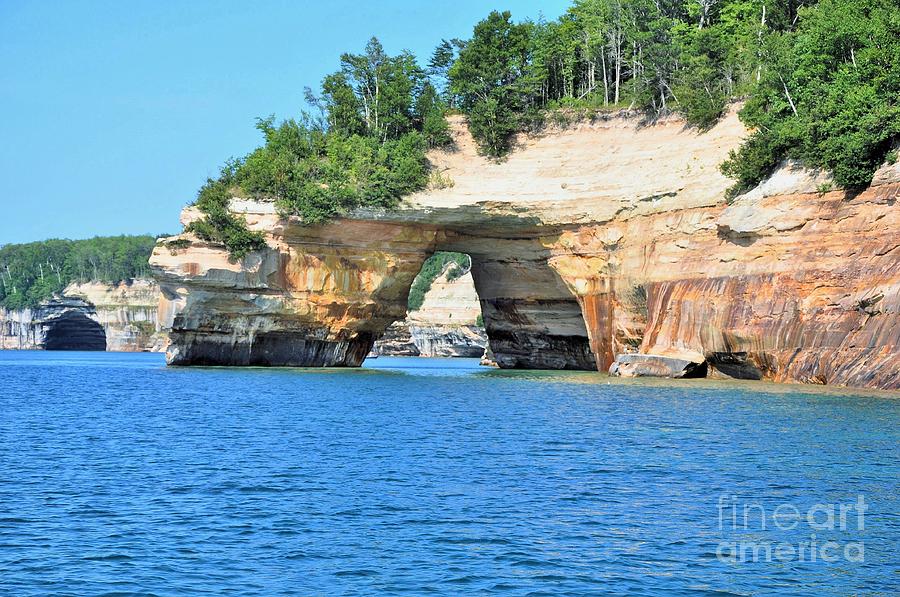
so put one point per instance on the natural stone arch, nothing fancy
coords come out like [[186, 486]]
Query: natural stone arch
[[632, 218], [325, 294]]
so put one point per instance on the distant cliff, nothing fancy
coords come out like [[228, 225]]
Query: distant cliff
[[603, 238], [446, 325], [89, 316]]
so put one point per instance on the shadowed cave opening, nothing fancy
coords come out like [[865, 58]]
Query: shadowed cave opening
[[74, 331]]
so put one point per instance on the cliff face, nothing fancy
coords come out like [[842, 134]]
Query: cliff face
[[316, 296], [605, 238], [396, 341], [59, 324], [92, 316], [127, 311]]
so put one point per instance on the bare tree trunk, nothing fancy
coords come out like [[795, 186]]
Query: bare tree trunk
[[634, 69], [376, 97], [762, 25], [605, 78], [618, 69], [788, 94], [592, 64]]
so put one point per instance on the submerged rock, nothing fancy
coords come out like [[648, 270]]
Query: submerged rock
[[649, 365]]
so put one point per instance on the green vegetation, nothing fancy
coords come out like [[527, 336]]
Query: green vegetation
[[821, 79], [458, 263], [377, 117], [177, 244], [829, 94], [220, 225], [32, 272], [490, 80]]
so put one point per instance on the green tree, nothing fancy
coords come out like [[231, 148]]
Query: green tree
[[378, 116], [829, 95], [442, 58], [593, 22], [430, 113], [384, 86], [456, 264], [487, 80], [33, 272]]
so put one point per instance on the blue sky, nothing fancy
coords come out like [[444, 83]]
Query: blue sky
[[112, 113]]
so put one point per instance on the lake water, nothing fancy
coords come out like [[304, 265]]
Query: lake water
[[432, 476]]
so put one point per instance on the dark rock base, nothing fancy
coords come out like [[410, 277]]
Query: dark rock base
[[271, 349], [513, 350]]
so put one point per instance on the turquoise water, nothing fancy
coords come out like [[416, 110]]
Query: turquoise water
[[430, 476]]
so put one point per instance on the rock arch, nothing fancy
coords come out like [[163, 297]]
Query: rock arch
[[609, 237], [532, 318]]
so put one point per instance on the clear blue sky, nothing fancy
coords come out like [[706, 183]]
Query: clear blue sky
[[112, 113]]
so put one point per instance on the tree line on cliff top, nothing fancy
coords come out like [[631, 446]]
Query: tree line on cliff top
[[33, 272], [821, 82]]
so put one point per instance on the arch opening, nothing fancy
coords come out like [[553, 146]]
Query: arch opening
[[443, 317], [74, 331], [531, 318]]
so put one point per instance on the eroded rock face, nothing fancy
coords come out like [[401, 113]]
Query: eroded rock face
[[396, 341], [90, 316], [317, 296], [449, 341], [64, 323], [128, 312], [816, 303], [607, 238]]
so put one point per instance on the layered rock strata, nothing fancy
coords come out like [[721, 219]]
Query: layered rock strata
[[128, 311], [396, 341], [446, 325], [316, 296], [610, 237], [58, 324], [91, 316]]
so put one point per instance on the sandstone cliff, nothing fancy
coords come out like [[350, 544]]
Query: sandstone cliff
[[90, 316], [608, 237]]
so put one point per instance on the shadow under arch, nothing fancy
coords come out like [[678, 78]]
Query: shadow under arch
[[532, 319]]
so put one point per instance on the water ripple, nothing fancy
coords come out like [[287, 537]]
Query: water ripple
[[122, 477]]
